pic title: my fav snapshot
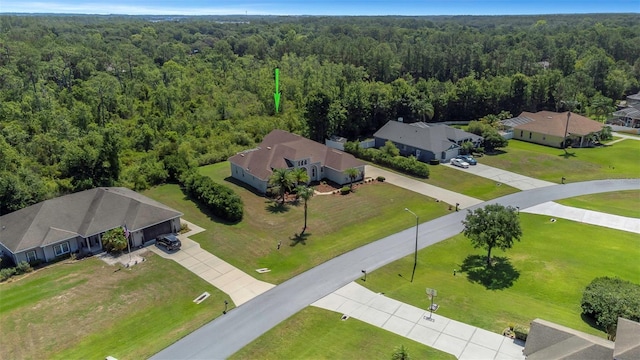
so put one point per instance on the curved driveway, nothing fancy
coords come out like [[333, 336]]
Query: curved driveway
[[229, 333]]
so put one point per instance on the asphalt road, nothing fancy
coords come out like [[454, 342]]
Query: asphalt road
[[227, 334]]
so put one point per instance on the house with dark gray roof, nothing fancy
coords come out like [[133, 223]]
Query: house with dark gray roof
[[425, 141], [75, 223], [629, 114], [550, 341], [284, 150], [554, 129]]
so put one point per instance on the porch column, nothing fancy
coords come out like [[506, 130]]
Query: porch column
[[100, 241]]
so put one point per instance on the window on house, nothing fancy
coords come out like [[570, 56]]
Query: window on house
[[521, 132], [31, 256], [61, 249], [529, 135]]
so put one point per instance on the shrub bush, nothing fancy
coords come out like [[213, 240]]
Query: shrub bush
[[7, 273], [23, 267], [521, 332], [605, 299], [409, 165], [345, 190], [221, 200], [381, 178], [434, 162]]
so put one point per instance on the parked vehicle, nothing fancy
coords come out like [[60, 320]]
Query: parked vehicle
[[459, 162], [169, 241], [468, 159]]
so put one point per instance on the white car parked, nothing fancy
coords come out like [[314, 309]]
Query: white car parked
[[459, 162]]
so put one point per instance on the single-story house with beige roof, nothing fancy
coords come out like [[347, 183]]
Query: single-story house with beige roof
[[554, 129], [283, 150], [75, 223]]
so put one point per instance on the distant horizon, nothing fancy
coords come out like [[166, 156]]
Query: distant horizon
[[324, 8]]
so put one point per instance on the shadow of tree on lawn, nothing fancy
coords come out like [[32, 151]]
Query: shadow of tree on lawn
[[567, 154], [299, 239], [500, 275], [276, 207]]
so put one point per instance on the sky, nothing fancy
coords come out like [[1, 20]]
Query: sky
[[320, 7]]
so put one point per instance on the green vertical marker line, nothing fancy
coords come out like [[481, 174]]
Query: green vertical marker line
[[276, 95]]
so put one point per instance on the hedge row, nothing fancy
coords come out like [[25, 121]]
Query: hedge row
[[409, 165], [221, 200]]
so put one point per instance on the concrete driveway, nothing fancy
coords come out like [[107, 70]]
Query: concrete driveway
[[512, 179], [237, 284], [453, 337]]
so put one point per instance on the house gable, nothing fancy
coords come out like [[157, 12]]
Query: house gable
[[281, 149], [421, 136], [81, 214]]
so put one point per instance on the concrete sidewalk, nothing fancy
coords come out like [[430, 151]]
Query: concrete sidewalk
[[512, 179], [238, 285], [461, 340], [586, 216], [420, 187]]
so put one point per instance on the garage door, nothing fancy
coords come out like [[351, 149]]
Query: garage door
[[153, 232]]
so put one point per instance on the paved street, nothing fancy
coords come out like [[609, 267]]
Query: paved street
[[229, 333]]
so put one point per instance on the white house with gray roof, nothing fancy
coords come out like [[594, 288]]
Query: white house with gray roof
[[425, 141], [75, 223]]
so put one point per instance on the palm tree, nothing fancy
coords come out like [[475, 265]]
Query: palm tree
[[352, 173], [305, 193], [300, 175], [282, 180]]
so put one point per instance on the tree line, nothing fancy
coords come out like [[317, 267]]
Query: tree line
[[91, 101]]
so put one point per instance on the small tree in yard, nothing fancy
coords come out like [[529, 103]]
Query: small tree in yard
[[492, 226], [400, 353], [282, 180], [114, 240], [305, 193], [352, 173]]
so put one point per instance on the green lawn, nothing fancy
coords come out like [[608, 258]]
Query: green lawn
[[623, 203], [466, 183], [460, 182], [87, 309], [543, 278], [617, 161], [336, 225], [320, 334]]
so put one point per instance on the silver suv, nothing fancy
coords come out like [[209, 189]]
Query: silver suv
[[169, 241]]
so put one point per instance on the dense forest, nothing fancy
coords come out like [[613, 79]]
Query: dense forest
[[91, 101]]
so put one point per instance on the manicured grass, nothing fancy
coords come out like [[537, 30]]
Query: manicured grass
[[461, 182], [88, 309], [315, 333], [623, 203], [466, 183], [546, 163], [336, 224], [544, 277]]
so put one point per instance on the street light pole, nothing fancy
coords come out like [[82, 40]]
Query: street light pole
[[415, 254]]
